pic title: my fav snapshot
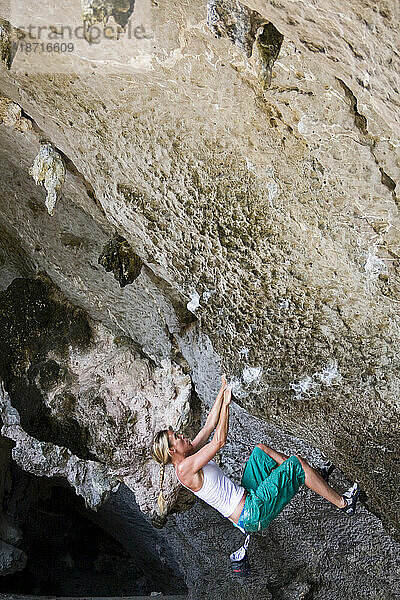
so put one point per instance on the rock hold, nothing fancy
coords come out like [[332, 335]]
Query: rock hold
[[49, 170], [9, 37], [11, 115], [118, 256], [232, 19]]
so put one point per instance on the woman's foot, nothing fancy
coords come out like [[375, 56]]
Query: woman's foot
[[351, 497]]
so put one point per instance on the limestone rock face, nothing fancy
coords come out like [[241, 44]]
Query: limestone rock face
[[11, 559], [248, 155], [83, 404]]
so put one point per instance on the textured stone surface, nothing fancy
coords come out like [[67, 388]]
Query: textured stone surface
[[9, 38], [258, 189], [11, 559], [74, 551], [11, 115], [236, 21], [118, 257], [83, 401], [310, 548], [48, 169], [90, 479], [97, 11], [9, 531]]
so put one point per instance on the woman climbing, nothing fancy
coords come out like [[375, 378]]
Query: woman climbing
[[270, 478]]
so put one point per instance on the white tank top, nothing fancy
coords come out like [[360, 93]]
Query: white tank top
[[218, 490]]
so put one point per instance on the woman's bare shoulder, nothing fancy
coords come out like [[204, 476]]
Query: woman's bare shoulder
[[192, 480], [185, 468]]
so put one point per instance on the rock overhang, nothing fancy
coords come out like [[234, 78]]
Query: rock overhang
[[276, 206]]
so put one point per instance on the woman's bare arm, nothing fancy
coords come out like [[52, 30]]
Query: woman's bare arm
[[221, 432], [192, 464], [212, 418]]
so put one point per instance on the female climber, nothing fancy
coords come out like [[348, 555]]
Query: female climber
[[270, 479]]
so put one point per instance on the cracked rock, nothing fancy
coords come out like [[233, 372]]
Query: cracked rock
[[10, 115]]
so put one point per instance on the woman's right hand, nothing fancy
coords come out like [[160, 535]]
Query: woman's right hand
[[228, 395]]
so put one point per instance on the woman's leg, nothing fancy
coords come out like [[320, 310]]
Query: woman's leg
[[278, 457], [317, 484], [313, 480]]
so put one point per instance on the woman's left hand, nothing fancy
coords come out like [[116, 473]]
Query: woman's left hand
[[224, 383]]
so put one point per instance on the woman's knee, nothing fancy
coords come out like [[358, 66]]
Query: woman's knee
[[302, 460], [263, 447]]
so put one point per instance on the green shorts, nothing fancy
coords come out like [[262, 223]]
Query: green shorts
[[269, 488]]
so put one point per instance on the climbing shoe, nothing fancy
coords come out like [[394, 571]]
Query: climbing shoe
[[326, 470], [351, 497], [240, 564]]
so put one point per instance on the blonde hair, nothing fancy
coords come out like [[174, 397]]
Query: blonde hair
[[160, 453]]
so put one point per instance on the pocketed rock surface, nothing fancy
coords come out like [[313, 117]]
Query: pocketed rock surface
[[310, 551], [234, 167]]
